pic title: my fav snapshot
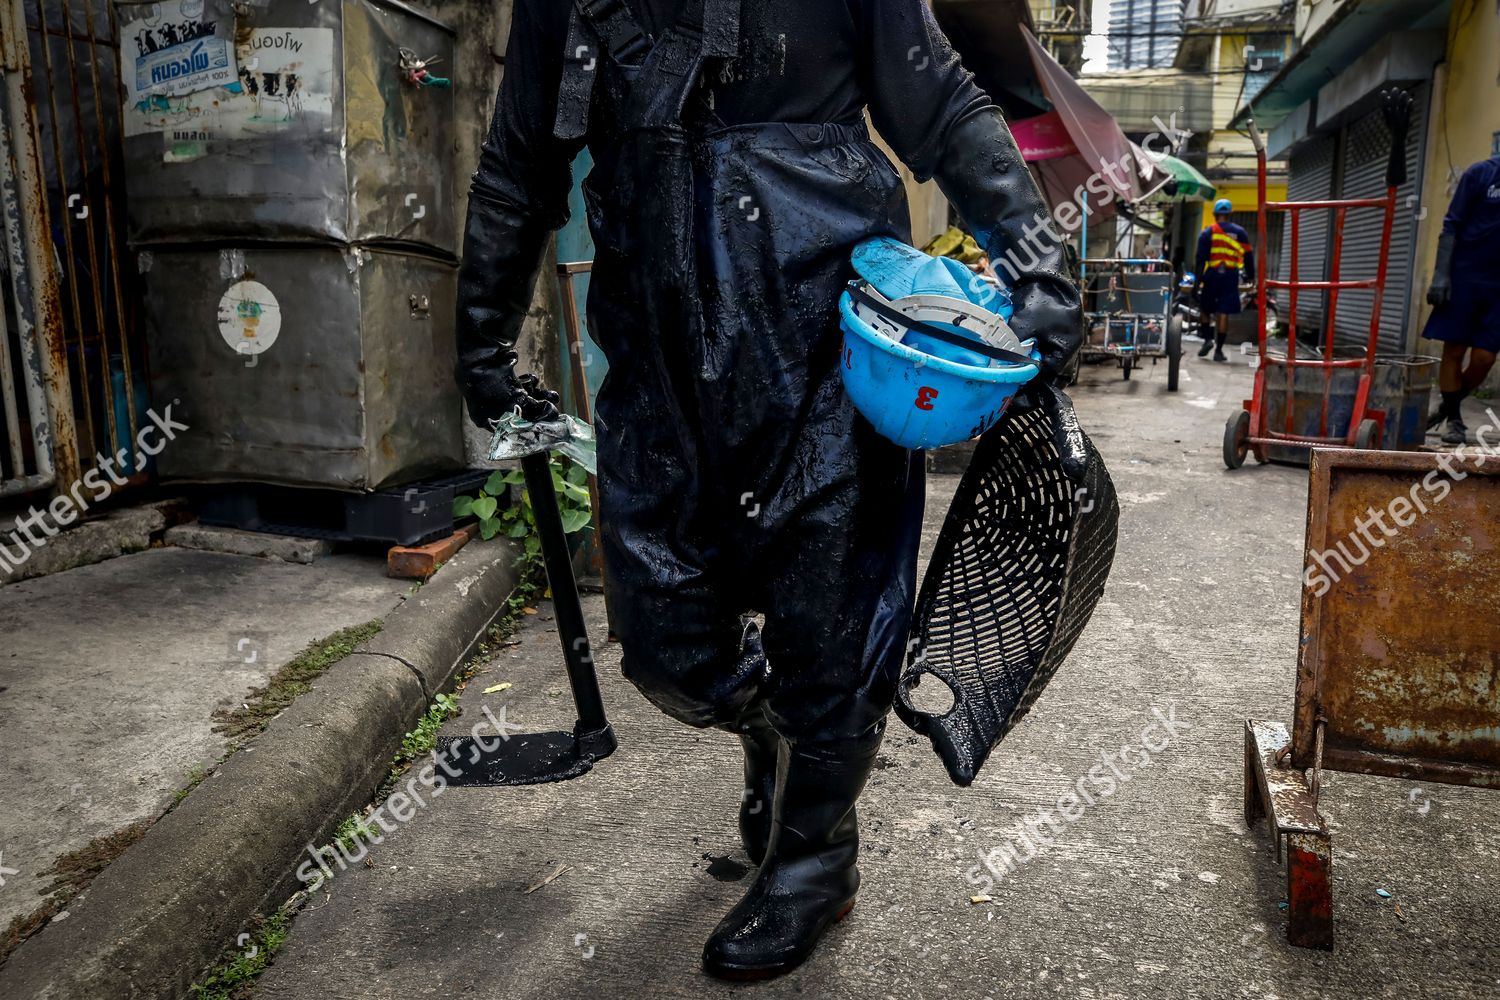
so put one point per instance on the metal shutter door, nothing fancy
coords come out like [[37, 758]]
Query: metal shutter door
[[1367, 146], [1309, 178]]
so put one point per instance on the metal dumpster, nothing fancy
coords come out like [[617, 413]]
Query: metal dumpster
[[316, 136], [304, 366], [288, 168]]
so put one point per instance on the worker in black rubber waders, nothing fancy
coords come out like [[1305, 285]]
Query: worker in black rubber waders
[[1465, 293], [733, 174]]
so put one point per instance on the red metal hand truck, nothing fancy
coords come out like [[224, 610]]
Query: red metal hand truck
[[1249, 430]]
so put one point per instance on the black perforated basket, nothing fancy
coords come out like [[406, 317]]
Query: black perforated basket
[[1017, 570]]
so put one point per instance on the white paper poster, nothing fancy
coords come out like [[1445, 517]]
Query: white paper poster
[[283, 82], [173, 50]]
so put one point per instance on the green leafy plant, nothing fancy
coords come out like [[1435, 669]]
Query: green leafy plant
[[232, 978], [517, 520]]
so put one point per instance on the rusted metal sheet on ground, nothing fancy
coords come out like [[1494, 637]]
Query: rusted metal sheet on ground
[[1400, 647]]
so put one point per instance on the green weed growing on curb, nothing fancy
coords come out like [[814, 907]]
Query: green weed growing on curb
[[231, 977], [420, 742], [241, 966], [195, 778], [290, 681]]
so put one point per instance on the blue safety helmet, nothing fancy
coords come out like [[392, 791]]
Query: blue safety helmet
[[1223, 205], [1189, 279], [929, 358]]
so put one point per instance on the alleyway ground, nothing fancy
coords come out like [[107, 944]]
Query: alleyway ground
[[1156, 891]]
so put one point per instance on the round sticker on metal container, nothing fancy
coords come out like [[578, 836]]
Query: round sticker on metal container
[[249, 317]]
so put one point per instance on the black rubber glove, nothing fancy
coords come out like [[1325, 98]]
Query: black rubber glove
[[981, 172], [1440, 291], [502, 251]]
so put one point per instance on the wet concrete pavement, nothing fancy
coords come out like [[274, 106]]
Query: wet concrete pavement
[[1156, 890]]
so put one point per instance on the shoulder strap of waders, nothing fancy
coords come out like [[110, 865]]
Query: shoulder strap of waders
[[621, 34], [595, 28], [721, 28]]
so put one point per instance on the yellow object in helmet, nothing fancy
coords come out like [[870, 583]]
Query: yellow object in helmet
[[954, 242]]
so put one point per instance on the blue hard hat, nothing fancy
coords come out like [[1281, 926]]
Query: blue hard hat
[[1189, 279], [1223, 205], [928, 357]]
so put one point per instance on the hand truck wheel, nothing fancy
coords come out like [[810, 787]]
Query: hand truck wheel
[[1367, 436], [1236, 439]]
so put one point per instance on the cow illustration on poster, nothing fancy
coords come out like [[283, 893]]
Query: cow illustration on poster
[[283, 85]]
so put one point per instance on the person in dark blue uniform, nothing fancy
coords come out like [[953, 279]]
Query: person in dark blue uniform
[[1465, 292], [733, 174], [1226, 258]]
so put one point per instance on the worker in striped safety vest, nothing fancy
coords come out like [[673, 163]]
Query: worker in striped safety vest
[[1225, 259]]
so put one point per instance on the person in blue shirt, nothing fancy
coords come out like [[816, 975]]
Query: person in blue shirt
[[1225, 258], [1465, 292]]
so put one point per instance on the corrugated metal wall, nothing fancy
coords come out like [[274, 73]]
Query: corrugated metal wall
[[1350, 163], [1367, 148], [1309, 177]]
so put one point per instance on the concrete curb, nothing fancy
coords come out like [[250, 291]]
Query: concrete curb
[[170, 905], [116, 534]]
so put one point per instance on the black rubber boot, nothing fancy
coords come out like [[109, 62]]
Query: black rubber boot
[[762, 746], [1219, 347], [808, 879], [1208, 341]]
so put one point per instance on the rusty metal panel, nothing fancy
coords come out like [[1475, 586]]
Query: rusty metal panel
[[304, 366], [320, 139], [1400, 646]]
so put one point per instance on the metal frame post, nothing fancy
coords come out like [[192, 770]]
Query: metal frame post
[[23, 200]]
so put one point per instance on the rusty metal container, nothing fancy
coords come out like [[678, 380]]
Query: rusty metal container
[[309, 131], [310, 366], [1406, 417]]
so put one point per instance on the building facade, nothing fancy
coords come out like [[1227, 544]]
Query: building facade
[[1321, 112], [1143, 34]]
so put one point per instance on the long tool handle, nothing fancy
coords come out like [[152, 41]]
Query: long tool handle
[[570, 626], [1395, 107]]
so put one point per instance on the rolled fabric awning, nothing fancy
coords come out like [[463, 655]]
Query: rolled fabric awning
[[1079, 144]]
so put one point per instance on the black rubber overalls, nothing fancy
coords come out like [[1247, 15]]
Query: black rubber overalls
[[734, 473]]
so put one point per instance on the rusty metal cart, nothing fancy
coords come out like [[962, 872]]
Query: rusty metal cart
[[1396, 667], [1130, 298], [1341, 414]]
